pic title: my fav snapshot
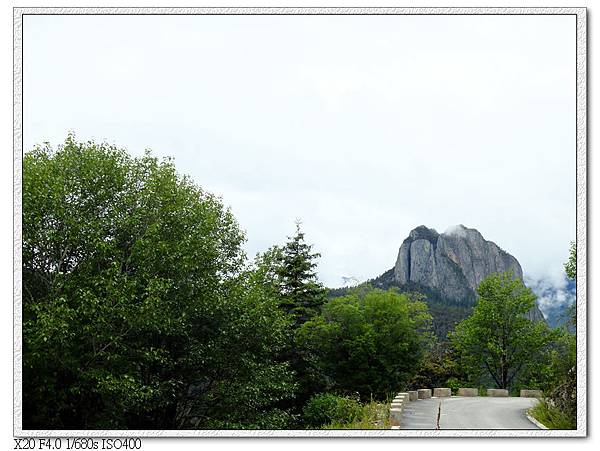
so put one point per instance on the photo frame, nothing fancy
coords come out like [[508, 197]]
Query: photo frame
[[580, 147]]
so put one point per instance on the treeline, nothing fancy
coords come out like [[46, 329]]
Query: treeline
[[141, 311]]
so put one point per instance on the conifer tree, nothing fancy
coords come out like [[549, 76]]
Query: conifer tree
[[302, 293]]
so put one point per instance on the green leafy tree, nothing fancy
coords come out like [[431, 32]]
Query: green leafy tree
[[137, 310], [301, 293], [571, 264], [497, 339], [369, 342]]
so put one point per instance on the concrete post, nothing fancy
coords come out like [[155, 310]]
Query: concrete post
[[404, 396], [468, 392], [424, 393], [395, 416], [531, 393], [442, 392], [497, 392], [413, 395]]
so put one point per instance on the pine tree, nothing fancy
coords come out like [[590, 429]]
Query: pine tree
[[302, 293]]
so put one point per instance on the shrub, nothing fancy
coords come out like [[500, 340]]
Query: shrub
[[454, 384], [373, 415], [327, 408], [551, 417]]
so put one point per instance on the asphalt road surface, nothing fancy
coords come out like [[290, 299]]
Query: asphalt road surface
[[468, 413]]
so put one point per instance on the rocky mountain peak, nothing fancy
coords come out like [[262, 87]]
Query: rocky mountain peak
[[452, 263], [423, 233]]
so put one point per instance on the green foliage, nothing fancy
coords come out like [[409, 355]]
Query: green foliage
[[498, 340], [571, 271], [368, 342], [552, 417], [571, 264], [372, 415], [560, 384], [137, 310], [453, 384], [266, 268], [326, 408], [439, 365]]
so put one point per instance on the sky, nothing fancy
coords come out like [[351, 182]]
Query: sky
[[362, 127]]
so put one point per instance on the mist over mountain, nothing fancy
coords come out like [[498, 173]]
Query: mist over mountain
[[555, 296]]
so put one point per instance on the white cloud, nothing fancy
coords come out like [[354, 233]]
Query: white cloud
[[362, 126], [552, 292], [458, 230]]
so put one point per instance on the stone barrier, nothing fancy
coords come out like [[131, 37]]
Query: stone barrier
[[401, 399], [404, 396], [531, 393], [395, 416], [424, 393], [413, 395], [442, 392], [468, 392], [497, 392]]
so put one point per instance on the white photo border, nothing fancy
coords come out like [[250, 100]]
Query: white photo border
[[581, 213]]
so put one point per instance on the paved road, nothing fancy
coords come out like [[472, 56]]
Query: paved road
[[468, 413]]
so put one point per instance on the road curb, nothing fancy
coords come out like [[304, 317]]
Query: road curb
[[534, 421]]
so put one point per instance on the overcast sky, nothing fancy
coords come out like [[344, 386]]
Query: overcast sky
[[363, 127]]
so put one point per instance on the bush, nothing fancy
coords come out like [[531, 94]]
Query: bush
[[454, 384], [373, 415], [551, 417], [327, 408]]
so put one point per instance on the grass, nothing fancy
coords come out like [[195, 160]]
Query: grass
[[373, 415], [551, 417]]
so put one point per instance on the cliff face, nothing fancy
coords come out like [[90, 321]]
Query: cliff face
[[453, 263]]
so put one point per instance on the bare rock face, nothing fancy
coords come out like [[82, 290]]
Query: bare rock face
[[453, 263]]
